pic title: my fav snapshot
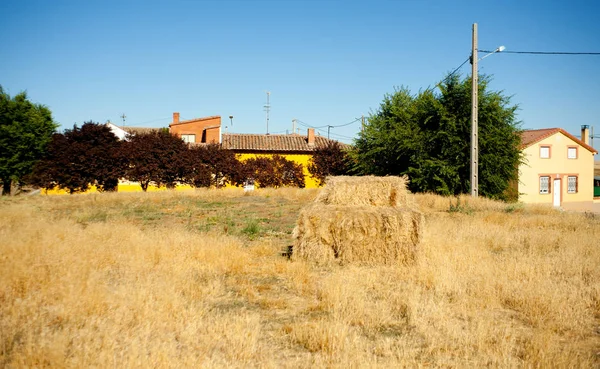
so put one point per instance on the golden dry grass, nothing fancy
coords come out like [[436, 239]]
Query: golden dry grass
[[181, 279]]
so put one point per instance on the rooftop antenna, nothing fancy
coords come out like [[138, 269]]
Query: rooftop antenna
[[123, 116], [267, 109]]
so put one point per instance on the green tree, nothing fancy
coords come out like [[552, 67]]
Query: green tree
[[427, 137], [25, 131]]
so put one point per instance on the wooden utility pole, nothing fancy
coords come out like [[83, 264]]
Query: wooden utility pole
[[362, 119], [474, 118]]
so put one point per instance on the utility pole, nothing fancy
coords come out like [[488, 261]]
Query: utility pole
[[328, 128], [362, 119], [294, 125], [474, 118], [267, 109]]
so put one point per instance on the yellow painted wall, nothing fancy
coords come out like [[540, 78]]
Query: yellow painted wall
[[558, 166], [124, 186], [303, 159], [127, 186]]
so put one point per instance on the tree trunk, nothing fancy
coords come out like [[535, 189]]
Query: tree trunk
[[6, 185]]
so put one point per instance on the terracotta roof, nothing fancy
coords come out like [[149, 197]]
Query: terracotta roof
[[529, 137], [139, 130], [258, 142], [194, 120]]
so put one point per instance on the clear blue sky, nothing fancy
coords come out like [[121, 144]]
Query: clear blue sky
[[324, 62]]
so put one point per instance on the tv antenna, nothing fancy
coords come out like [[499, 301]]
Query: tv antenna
[[123, 116], [267, 109]]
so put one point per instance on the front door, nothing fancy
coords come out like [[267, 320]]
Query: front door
[[556, 186]]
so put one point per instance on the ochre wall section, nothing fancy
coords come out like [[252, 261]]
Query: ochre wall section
[[303, 159], [558, 166]]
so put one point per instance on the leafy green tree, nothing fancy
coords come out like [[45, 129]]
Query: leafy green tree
[[427, 137], [25, 131], [329, 160], [81, 157]]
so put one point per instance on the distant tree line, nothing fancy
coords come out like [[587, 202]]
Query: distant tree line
[[425, 136], [93, 155]]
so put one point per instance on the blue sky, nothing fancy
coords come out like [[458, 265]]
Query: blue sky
[[324, 62]]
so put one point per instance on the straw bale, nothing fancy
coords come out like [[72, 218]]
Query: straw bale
[[357, 234], [366, 190]]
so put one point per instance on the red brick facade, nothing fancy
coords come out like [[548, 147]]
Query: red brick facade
[[197, 130]]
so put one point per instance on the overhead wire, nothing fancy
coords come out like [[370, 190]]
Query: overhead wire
[[460, 66], [542, 52]]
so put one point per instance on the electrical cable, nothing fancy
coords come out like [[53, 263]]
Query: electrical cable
[[541, 52], [460, 66]]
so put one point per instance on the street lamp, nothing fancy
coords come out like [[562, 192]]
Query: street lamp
[[475, 113]]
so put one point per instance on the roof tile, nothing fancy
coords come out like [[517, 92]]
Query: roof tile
[[529, 137], [258, 142]]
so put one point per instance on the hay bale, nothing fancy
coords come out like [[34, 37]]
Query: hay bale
[[357, 234], [367, 190]]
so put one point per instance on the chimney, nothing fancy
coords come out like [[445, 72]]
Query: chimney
[[585, 134], [175, 118], [311, 137]]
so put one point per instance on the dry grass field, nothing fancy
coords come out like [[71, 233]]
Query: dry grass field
[[196, 279]]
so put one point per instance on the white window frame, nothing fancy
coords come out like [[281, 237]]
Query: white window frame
[[545, 155], [544, 187], [188, 138], [572, 152], [572, 187]]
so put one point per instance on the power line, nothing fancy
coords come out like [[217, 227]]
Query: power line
[[308, 125], [346, 124], [460, 66], [328, 125], [542, 52]]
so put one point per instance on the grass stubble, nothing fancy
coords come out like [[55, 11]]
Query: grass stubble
[[188, 279]]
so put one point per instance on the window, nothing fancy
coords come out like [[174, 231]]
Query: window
[[545, 184], [572, 153], [572, 184], [188, 138], [545, 152]]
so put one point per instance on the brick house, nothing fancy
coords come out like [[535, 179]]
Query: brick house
[[558, 169], [197, 130]]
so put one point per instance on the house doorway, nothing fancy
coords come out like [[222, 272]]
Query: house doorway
[[557, 189]]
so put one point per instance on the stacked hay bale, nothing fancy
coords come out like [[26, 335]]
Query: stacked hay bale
[[364, 220]]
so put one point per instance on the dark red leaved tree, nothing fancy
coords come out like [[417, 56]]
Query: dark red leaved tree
[[156, 157], [80, 157], [329, 160]]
